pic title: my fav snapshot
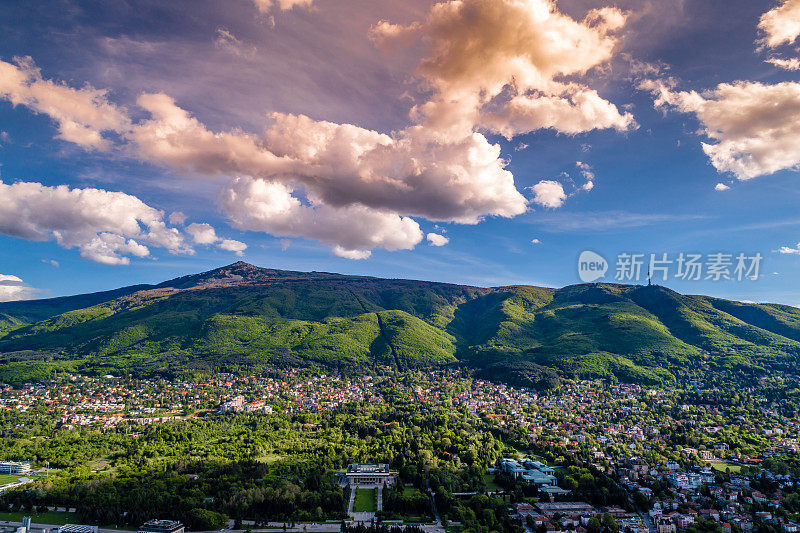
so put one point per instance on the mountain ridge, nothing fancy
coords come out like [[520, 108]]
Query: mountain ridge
[[240, 316]]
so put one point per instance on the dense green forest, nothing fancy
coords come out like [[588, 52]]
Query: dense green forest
[[245, 317], [276, 467]]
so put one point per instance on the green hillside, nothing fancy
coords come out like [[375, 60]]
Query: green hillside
[[245, 317]]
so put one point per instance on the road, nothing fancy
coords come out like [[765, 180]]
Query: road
[[438, 528], [269, 527]]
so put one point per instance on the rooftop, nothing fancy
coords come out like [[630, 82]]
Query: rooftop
[[368, 468]]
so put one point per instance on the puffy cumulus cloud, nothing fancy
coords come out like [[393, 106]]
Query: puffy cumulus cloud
[[202, 233], [112, 249], [352, 231], [504, 66], [341, 165], [721, 187], [536, 241], [549, 193], [266, 5], [754, 125], [107, 227], [435, 239], [230, 245], [780, 25], [501, 65], [571, 112], [352, 174], [206, 234], [355, 255], [82, 114], [13, 288]]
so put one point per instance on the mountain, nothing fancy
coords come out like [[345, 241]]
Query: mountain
[[245, 317]]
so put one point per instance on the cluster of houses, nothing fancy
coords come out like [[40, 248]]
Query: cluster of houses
[[556, 517], [238, 405], [731, 503]]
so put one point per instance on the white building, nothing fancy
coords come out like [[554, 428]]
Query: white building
[[370, 474], [8, 467]]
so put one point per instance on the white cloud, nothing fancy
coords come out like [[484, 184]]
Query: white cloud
[[82, 115], [230, 245], [105, 226], [503, 66], [753, 125], [351, 254], [434, 239], [499, 64], [571, 111], [721, 187], [260, 205], [792, 63], [536, 241], [341, 164], [112, 249], [202, 233], [588, 174], [51, 262], [780, 25], [549, 193], [206, 234], [790, 250], [266, 5], [13, 288]]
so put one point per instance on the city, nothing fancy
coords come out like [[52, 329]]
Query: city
[[399, 266], [651, 459]]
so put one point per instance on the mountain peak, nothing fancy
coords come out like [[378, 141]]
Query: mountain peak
[[238, 273]]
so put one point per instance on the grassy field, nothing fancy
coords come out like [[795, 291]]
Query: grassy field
[[365, 501], [5, 479], [57, 518], [491, 486], [722, 466]]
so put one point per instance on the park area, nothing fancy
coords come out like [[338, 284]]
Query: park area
[[366, 501], [5, 479]]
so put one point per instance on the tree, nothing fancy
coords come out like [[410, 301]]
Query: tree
[[594, 525], [610, 523], [206, 520]]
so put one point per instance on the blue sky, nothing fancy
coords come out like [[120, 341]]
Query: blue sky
[[464, 131]]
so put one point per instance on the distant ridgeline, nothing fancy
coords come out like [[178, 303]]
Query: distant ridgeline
[[241, 317]]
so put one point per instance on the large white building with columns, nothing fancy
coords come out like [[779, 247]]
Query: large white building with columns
[[370, 474]]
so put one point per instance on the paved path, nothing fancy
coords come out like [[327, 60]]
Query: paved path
[[352, 501], [330, 527], [438, 527], [363, 516]]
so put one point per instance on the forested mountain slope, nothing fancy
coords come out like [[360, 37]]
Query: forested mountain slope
[[245, 317]]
